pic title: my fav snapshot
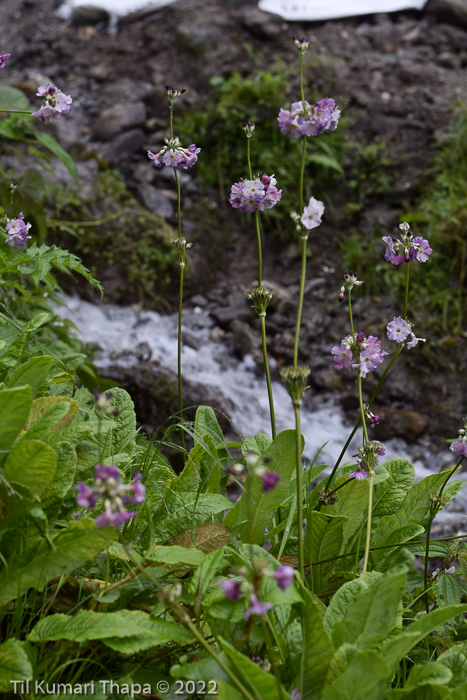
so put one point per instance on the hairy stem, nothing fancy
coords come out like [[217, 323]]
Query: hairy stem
[[299, 472], [262, 318]]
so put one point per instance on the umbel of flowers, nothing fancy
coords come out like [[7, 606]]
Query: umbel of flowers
[[115, 495]]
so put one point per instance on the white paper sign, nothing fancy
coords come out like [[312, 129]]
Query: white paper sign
[[315, 10]]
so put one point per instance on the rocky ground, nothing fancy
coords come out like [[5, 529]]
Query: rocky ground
[[397, 77]]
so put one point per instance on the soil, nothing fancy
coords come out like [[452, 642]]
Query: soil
[[397, 77]]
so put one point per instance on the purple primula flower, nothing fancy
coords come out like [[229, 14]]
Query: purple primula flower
[[108, 486], [174, 155], [295, 694], [270, 479], [304, 119], [459, 447], [284, 576], [398, 330], [255, 195], [256, 608], [17, 231], [407, 248], [232, 589], [414, 341], [3, 58], [55, 103], [360, 353], [359, 474], [312, 214]]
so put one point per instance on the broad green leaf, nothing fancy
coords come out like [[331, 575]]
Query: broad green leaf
[[186, 510], [352, 503], [206, 422], [153, 632], [204, 670], [324, 540], [36, 322], [189, 478], [388, 495], [14, 665], [456, 661], [32, 373], [325, 161], [31, 463], [254, 512], [258, 445], [448, 590], [263, 684], [423, 692], [122, 437], [430, 672], [372, 614], [397, 537], [203, 467], [226, 691], [79, 543], [64, 476], [459, 693], [12, 354], [317, 650], [47, 140], [176, 555], [393, 650], [86, 625], [14, 410], [365, 677], [12, 97], [49, 414]]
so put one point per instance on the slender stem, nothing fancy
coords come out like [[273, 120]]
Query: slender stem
[[171, 119], [248, 158], [179, 354], [302, 176], [262, 318], [406, 295], [303, 240], [302, 93], [371, 478], [362, 411], [17, 111], [272, 656], [179, 203], [260, 257], [433, 511], [299, 472], [349, 294]]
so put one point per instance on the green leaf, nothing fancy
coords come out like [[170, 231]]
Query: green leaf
[[86, 625], [14, 664], [258, 445], [394, 650], [324, 540], [456, 661], [31, 463], [325, 161], [430, 672], [262, 506], [32, 373], [187, 510], [47, 140], [64, 476], [422, 692], [365, 677], [204, 670], [206, 422], [459, 693], [203, 576], [122, 437], [396, 537], [448, 590], [12, 97], [352, 503], [177, 555], [79, 543], [14, 410], [251, 675], [49, 414], [388, 495], [372, 614], [317, 650]]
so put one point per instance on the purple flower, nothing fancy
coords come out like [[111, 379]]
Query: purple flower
[[54, 105], [359, 474], [305, 120], [407, 248], [257, 608], [3, 58], [360, 353], [295, 694], [17, 231], [459, 447], [414, 341], [255, 195], [270, 480], [312, 213], [343, 358], [108, 486], [174, 155], [398, 330], [284, 576], [232, 589]]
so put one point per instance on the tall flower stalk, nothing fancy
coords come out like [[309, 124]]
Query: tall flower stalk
[[174, 155], [254, 195]]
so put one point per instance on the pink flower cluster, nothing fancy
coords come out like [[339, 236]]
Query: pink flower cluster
[[173, 155], [54, 105], [17, 230], [407, 248], [459, 447], [368, 455], [3, 58], [362, 353], [284, 576], [108, 486], [255, 195], [304, 119]]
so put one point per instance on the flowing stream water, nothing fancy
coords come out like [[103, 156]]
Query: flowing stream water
[[119, 330]]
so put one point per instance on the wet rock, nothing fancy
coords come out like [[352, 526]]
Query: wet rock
[[155, 200], [247, 340], [452, 10], [118, 118], [404, 423], [88, 15], [126, 143], [262, 25]]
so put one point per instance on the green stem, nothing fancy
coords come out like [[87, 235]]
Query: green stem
[[299, 472], [302, 176], [262, 318], [351, 314], [406, 295], [260, 257], [362, 411], [300, 70], [179, 204], [272, 656], [248, 158], [368, 526], [303, 241], [179, 354], [17, 111]]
